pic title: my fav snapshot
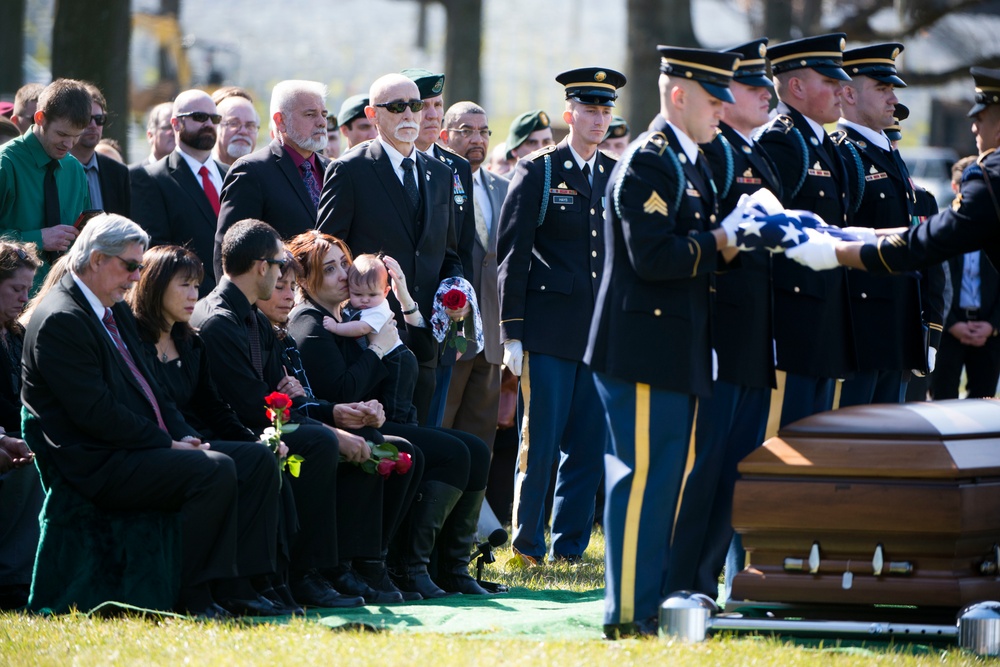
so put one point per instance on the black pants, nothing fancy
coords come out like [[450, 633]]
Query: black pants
[[396, 393], [452, 457], [982, 368]]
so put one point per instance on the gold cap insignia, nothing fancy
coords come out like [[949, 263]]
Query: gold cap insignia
[[600, 76], [543, 119], [843, 43], [895, 52], [762, 50]]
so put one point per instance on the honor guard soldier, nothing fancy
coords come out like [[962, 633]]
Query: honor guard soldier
[[885, 311], [431, 87], [812, 312], [971, 223], [551, 251], [731, 423], [650, 340]]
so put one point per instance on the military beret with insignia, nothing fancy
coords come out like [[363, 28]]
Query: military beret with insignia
[[429, 83], [524, 125], [352, 108]]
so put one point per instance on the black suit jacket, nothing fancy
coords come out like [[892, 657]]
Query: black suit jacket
[[657, 270], [885, 310], [465, 214], [90, 407], [116, 187], [266, 185], [742, 332], [549, 274], [812, 310], [170, 204], [363, 203]]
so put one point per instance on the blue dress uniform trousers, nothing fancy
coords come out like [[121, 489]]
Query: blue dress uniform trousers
[[562, 416], [650, 433]]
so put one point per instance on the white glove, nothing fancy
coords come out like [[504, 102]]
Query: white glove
[[931, 359], [715, 365], [818, 253], [731, 223], [766, 200], [864, 234], [513, 356]]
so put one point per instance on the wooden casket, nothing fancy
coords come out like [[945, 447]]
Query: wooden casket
[[875, 505]]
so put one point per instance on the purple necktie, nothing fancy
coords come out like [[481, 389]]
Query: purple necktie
[[109, 322], [309, 178]]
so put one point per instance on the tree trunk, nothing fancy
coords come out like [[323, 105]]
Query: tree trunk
[[463, 46], [778, 21], [651, 22], [11, 46], [90, 41]]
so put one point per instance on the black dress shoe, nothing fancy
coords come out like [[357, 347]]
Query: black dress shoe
[[374, 573], [283, 601], [344, 578], [259, 606], [460, 582], [212, 612], [312, 590]]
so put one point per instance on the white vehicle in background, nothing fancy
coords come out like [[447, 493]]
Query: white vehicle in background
[[930, 168]]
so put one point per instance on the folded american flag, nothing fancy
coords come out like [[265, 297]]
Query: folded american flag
[[779, 231]]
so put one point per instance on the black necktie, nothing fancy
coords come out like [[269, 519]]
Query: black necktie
[[586, 173], [50, 194], [410, 184], [253, 331]]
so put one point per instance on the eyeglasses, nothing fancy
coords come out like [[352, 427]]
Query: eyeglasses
[[200, 116], [235, 125], [280, 263], [130, 265], [100, 118], [400, 106], [466, 132]]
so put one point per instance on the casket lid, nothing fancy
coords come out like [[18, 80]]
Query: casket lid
[[941, 439]]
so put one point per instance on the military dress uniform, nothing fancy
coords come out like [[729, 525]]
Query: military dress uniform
[[650, 343], [812, 311], [551, 252], [886, 311], [972, 222], [730, 424]]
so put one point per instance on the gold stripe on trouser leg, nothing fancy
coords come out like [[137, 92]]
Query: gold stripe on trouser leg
[[777, 400], [838, 387], [688, 465], [633, 513], [522, 452]]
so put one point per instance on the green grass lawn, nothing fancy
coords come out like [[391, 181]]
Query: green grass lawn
[[76, 639]]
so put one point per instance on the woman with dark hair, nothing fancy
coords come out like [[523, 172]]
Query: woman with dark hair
[[446, 510], [363, 418], [21, 493], [163, 301]]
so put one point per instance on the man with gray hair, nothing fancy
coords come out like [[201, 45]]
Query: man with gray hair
[[280, 184], [238, 130], [83, 373], [176, 199]]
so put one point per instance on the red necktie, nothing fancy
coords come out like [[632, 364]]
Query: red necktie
[[210, 191]]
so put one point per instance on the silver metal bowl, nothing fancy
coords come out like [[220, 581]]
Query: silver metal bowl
[[979, 628], [686, 616]]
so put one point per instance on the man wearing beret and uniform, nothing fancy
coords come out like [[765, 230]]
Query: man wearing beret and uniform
[[617, 139], [529, 132], [551, 253], [354, 124], [650, 340], [812, 312], [886, 311], [731, 423], [431, 87], [971, 223]]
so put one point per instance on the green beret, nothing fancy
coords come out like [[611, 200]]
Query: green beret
[[352, 108], [429, 83], [617, 129], [524, 125]]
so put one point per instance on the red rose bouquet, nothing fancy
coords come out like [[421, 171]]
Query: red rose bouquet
[[279, 412], [455, 299]]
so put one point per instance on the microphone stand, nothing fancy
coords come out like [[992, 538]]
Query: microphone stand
[[485, 558]]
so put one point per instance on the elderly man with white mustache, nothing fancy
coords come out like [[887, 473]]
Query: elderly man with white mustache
[[386, 196], [238, 130]]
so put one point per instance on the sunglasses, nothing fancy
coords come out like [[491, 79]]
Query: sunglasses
[[400, 107], [131, 266], [100, 118], [200, 116], [280, 263]]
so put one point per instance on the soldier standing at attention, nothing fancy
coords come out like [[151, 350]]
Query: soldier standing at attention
[[551, 252]]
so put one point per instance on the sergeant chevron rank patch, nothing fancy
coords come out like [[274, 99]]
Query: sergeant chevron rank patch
[[655, 204]]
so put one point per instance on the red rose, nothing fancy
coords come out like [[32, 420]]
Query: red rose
[[453, 299], [404, 463], [285, 415], [385, 467], [277, 400]]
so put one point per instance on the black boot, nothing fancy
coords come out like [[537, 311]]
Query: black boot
[[346, 579], [428, 512], [455, 545], [375, 574]]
